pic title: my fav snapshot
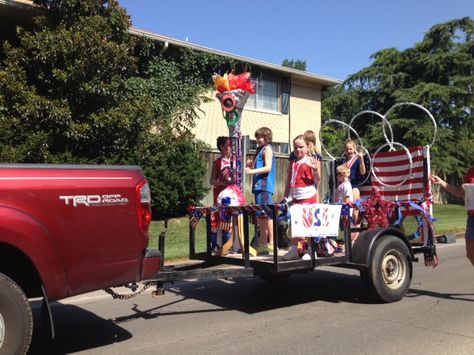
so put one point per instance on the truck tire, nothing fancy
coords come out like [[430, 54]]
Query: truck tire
[[16, 319], [389, 274]]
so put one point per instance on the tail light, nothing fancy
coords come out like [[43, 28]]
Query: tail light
[[144, 206]]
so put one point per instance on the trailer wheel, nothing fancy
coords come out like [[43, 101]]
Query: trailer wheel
[[390, 270], [16, 319]]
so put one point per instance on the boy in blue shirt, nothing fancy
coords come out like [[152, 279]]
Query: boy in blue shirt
[[263, 185]]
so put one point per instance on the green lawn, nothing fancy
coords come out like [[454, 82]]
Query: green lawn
[[450, 219], [177, 237]]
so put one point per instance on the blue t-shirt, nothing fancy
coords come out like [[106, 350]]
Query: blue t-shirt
[[264, 182], [356, 178]]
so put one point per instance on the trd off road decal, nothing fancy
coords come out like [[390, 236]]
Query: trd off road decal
[[94, 200]]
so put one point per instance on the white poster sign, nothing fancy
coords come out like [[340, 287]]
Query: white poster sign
[[316, 220]]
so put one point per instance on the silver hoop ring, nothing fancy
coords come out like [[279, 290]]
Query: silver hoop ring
[[342, 124], [384, 122], [435, 126], [367, 173], [409, 158]]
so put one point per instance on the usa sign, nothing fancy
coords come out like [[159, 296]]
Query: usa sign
[[316, 220]]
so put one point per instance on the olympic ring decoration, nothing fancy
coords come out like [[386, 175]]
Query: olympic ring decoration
[[342, 124], [390, 142], [435, 127], [367, 174], [384, 122]]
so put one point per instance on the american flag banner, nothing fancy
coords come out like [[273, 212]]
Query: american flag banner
[[225, 219], [404, 183], [400, 180], [196, 215]]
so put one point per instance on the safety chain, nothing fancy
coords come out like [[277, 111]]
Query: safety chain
[[126, 296]]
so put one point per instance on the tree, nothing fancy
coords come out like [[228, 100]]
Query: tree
[[62, 88], [295, 64], [436, 73], [74, 91]]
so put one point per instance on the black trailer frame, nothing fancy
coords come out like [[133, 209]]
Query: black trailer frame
[[383, 255], [206, 265]]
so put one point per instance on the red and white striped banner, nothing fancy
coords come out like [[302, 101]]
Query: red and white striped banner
[[399, 182]]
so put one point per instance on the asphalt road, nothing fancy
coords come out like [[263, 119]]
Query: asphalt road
[[326, 312]]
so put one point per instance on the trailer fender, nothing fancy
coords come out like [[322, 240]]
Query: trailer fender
[[364, 245]]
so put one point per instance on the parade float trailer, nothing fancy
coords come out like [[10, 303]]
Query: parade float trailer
[[395, 223]]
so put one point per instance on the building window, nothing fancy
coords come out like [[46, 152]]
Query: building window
[[267, 94]]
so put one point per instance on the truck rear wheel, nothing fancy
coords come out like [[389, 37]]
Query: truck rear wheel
[[16, 319], [388, 277]]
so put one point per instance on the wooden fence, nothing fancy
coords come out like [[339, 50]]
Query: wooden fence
[[281, 174], [439, 196]]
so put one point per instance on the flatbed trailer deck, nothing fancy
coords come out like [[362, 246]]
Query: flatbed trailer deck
[[383, 256]]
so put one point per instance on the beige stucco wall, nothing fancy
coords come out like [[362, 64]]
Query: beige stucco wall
[[305, 113], [211, 123], [305, 109]]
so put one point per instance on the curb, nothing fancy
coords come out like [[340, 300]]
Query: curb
[[448, 238]]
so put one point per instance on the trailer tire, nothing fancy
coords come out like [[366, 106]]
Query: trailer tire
[[389, 274], [16, 319]]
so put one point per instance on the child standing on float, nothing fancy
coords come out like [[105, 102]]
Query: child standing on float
[[310, 139], [302, 179], [263, 185], [344, 192], [355, 162], [221, 177]]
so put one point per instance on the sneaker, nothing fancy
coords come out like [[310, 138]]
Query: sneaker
[[291, 255], [307, 256], [262, 250], [270, 249]]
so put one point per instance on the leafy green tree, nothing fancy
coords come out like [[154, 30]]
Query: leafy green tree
[[436, 73], [80, 89], [62, 88], [295, 64], [174, 168]]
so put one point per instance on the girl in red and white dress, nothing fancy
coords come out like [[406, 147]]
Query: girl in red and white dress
[[221, 177], [303, 177]]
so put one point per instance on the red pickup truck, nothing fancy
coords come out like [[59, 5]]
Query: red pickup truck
[[66, 230]]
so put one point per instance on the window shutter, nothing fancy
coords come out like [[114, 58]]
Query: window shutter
[[285, 95]]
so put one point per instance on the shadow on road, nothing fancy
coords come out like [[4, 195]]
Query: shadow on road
[[80, 330], [76, 330], [469, 297], [256, 295]]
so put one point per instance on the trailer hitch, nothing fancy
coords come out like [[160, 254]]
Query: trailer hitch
[[125, 296]]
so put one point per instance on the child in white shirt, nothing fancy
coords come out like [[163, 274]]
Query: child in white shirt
[[344, 190]]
